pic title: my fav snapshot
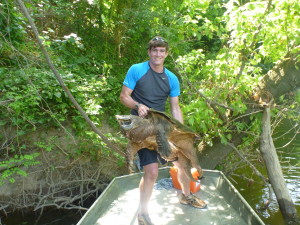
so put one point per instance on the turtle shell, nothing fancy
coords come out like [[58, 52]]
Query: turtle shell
[[183, 128], [176, 124]]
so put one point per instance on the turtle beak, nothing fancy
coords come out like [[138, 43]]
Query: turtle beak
[[125, 122]]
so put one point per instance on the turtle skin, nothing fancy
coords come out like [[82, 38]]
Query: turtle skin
[[159, 131]]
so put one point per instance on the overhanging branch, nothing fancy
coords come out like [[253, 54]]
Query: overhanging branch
[[62, 84]]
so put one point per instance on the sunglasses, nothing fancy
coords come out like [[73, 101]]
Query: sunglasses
[[158, 39]]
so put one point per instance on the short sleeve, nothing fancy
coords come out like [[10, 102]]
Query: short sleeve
[[174, 84], [131, 78]]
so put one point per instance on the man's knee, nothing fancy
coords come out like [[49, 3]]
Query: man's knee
[[151, 171]]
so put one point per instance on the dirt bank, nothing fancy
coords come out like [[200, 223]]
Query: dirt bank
[[62, 179]]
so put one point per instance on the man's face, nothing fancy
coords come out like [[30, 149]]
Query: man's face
[[157, 55]]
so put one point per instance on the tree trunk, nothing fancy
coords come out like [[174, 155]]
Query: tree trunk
[[283, 78], [274, 171]]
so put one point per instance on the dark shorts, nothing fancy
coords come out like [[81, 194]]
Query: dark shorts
[[147, 157]]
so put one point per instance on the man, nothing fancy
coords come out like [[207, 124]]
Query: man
[[148, 85]]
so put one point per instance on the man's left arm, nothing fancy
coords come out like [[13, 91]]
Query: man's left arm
[[175, 109]]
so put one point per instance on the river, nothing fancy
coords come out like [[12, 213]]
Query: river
[[289, 155], [255, 193]]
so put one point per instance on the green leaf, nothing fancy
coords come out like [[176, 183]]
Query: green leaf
[[58, 94], [12, 180], [29, 157], [22, 173]]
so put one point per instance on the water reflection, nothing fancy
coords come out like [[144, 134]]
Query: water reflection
[[289, 157]]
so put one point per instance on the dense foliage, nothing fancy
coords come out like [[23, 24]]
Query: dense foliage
[[219, 49]]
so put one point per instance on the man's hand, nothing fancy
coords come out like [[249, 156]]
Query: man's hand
[[142, 110]]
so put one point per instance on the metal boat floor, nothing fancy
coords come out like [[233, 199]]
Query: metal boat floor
[[118, 204]]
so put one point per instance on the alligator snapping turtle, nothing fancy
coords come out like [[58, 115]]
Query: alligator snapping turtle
[[158, 131]]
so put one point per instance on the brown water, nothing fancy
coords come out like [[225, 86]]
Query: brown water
[[49, 217], [256, 194]]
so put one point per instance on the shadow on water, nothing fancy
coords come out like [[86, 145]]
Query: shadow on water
[[49, 217]]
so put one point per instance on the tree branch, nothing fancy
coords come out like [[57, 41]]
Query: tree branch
[[5, 102], [62, 84], [292, 139], [256, 171], [242, 67]]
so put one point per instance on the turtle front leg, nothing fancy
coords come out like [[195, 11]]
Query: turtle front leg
[[163, 147]]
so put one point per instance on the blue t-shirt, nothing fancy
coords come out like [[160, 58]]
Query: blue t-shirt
[[151, 88]]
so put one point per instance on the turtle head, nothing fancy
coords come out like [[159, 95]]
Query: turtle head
[[128, 122]]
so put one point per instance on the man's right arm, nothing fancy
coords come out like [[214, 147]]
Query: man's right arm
[[127, 100]]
